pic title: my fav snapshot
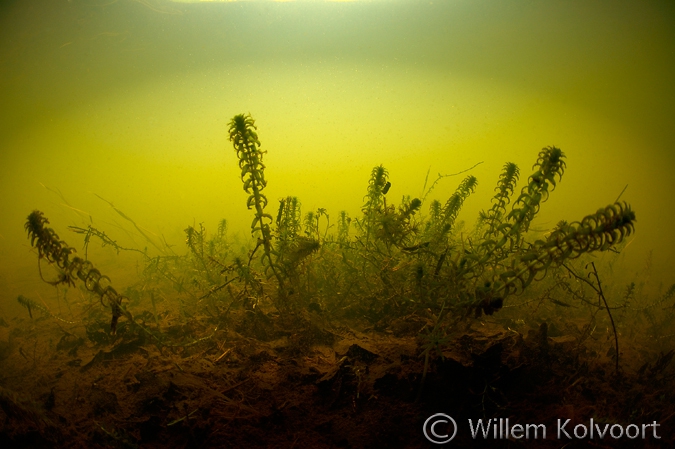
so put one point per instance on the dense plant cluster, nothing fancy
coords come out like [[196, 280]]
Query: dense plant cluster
[[391, 261]]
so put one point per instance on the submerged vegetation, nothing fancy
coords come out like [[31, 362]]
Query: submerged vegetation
[[390, 262], [406, 269]]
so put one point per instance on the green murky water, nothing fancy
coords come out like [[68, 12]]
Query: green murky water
[[115, 118]]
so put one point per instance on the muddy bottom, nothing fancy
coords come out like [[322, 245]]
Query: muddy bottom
[[300, 381]]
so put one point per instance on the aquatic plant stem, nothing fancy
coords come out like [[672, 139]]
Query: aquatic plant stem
[[246, 144], [601, 295]]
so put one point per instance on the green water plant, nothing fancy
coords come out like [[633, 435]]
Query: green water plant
[[503, 263], [378, 186], [597, 232], [508, 229], [490, 221], [288, 224], [31, 305], [423, 264], [71, 268], [343, 225], [244, 138], [444, 219]]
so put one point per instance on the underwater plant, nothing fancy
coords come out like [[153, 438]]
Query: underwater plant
[[292, 247], [494, 217], [596, 232], [504, 237], [378, 186], [288, 223], [245, 141], [57, 252], [414, 269], [444, 219], [311, 225], [396, 263], [343, 228], [31, 305], [197, 243], [511, 228]]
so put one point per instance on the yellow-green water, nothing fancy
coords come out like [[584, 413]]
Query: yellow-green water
[[130, 100]]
